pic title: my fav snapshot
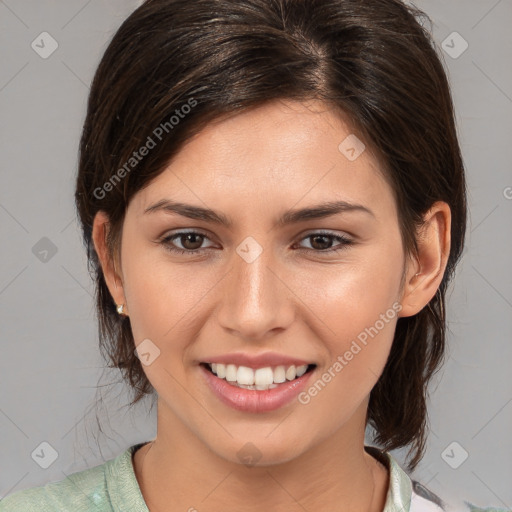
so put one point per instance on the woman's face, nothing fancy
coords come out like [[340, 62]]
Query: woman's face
[[259, 287]]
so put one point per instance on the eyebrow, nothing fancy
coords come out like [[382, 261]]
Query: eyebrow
[[318, 211]]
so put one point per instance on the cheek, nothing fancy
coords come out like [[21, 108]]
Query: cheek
[[360, 324], [163, 297], [351, 296], [355, 310]]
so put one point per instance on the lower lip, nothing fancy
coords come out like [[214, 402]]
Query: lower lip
[[251, 400]]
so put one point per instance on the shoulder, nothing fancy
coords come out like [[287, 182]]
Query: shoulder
[[407, 494], [425, 500], [28, 500], [79, 492]]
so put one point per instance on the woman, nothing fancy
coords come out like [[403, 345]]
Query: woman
[[273, 201]]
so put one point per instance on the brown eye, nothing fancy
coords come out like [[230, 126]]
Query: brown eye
[[190, 241], [323, 242]]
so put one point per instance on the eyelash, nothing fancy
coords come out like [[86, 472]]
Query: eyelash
[[166, 242]]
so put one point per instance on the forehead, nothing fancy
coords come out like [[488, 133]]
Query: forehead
[[280, 153]]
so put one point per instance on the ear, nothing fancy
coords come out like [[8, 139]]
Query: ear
[[425, 274], [108, 263]]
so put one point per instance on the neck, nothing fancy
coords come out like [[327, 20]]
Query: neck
[[178, 472]]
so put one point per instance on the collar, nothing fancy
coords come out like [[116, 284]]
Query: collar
[[399, 494]]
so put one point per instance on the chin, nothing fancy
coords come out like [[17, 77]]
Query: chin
[[259, 450]]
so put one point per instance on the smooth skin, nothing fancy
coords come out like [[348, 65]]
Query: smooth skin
[[294, 299]]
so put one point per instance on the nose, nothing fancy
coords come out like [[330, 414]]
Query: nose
[[256, 299]]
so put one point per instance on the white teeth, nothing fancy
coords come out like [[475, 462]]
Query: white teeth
[[261, 378], [245, 375], [231, 373], [221, 370], [291, 372], [279, 374], [261, 388], [301, 370]]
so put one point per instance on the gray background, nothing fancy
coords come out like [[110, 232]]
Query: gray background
[[50, 363]]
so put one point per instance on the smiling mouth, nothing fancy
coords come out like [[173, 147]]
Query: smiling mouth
[[261, 379]]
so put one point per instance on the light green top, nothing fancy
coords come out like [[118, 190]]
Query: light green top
[[113, 487]]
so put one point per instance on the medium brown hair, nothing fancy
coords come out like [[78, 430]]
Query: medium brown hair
[[372, 61]]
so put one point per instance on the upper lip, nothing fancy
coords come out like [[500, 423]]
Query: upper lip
[[257, 360]]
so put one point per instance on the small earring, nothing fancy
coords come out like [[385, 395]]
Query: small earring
[[120, 309]]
